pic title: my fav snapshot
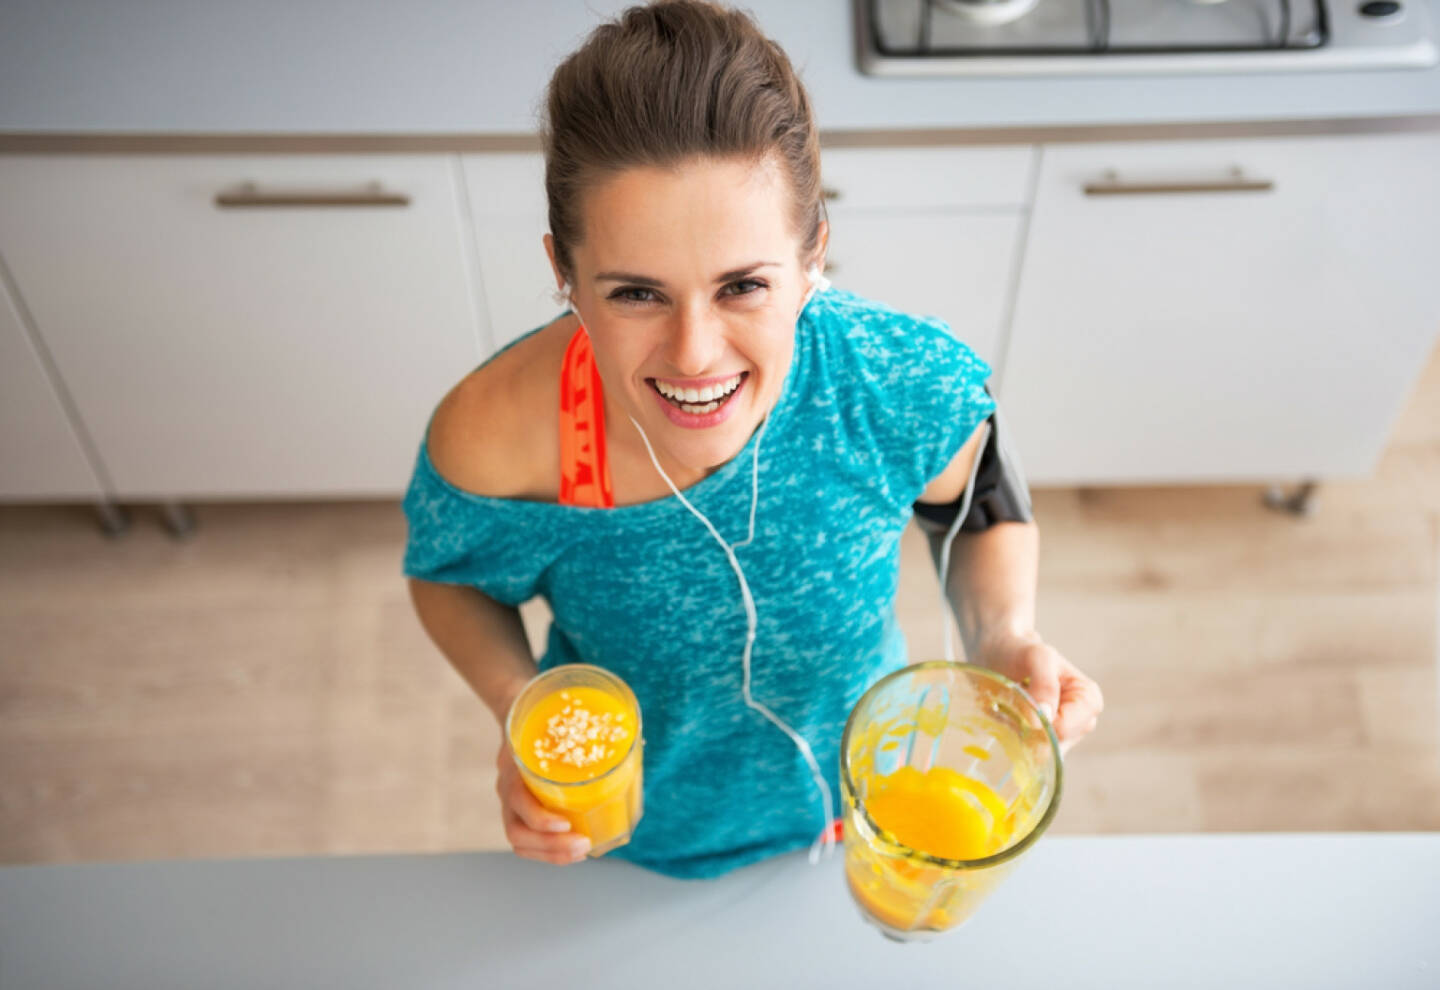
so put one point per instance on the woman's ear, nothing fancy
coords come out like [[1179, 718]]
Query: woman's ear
[[549, 242], [563, 294], [822, 246]]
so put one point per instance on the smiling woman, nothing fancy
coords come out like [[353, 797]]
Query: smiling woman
[[692, 338], [706, 465]]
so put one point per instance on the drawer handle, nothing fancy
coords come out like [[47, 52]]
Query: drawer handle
[[248, 194], [1237, 181], [830, 193]]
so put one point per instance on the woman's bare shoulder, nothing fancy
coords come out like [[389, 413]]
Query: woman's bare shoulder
[[496, 432]]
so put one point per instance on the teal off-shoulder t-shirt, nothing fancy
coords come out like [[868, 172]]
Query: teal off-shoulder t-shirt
[[875, 405]]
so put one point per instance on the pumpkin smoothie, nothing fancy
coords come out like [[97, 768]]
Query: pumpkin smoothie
[[575, 732]]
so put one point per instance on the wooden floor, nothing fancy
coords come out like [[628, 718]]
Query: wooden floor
[[264, 688]]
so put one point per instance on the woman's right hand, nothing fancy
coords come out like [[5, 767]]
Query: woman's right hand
[[534, 832]]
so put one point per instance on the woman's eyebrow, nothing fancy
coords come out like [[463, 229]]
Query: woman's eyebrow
[[735, 273], [655, 283], [645, 280]]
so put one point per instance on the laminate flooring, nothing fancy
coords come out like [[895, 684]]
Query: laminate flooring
[[264, 688]]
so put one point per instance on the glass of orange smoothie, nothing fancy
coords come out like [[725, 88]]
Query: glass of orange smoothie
[[948, 772], [575, 731]]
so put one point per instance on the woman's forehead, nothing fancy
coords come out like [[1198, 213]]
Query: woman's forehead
[[702, 210]]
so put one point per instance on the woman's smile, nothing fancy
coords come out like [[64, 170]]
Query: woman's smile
[[698, 403]]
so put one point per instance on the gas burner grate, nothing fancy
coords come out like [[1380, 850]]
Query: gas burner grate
[[946, 29]]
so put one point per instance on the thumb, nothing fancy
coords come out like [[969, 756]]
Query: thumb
[[1041, 680]]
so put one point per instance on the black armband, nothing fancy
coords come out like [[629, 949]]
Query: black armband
[[1000, 491]]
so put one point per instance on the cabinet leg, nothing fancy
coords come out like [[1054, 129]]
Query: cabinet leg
[[114, 520], [178, 520], [1301, 502]]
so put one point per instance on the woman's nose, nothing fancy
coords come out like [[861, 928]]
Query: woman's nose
[[696, 341]]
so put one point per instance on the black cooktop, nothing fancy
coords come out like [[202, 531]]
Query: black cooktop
[[956, 28]]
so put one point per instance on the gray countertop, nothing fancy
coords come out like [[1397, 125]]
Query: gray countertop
[[1272, 911], [441, 67]]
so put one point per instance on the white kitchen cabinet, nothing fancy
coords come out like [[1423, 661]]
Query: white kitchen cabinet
[[931, 230], [508, 213], [955, 266], [1225, 335], [40, 454], [261, 351], [1155, 337], [929, 178]]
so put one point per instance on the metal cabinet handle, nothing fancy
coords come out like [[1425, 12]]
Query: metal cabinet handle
[[248, 194], [1110, 185]]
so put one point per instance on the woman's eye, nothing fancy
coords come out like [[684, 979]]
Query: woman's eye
[[633, 294], [745, 286]]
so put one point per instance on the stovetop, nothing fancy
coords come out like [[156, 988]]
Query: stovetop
[[944, 37]]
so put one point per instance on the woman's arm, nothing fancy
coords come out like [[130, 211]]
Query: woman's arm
[[991, 586], [993, 576], [485, 642]]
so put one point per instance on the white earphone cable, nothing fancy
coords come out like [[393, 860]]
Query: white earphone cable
[[826, 839], [945, 608]]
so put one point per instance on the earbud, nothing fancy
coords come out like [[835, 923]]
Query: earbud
[[567, 296], [818, 283]]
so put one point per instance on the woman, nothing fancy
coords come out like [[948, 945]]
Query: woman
[[713, 508]]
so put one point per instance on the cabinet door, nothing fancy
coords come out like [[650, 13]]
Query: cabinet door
[[1224, 335], [507, 206], [930, 231], [40, 454], [943, 263], [260, 351]]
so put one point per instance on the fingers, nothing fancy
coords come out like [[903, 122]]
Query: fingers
[[516, 797], [1070, 700], [532, 830], [545, 847], [1080, 705], [1040, 677]]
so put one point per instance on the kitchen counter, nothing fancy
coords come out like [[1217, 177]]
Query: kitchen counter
[[1311, 911], [439, 68]]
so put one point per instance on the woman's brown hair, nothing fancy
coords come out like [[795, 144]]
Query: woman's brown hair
[[665, 83]]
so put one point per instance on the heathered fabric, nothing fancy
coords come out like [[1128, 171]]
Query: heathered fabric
[[875, 404]]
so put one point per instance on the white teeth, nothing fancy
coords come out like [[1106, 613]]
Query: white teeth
[[698, 401]]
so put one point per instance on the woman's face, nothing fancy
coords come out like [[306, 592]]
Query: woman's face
[[689, 281]]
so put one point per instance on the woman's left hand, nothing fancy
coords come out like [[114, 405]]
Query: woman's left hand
[[1070, 700]]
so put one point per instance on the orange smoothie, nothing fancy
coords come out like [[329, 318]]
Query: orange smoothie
[[579, 752], [576, 734], [939, 812], [948, 774]]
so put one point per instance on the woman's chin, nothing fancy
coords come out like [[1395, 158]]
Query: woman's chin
[[701, 452]]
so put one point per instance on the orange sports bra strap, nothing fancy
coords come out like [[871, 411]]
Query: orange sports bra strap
[[584, 466]]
